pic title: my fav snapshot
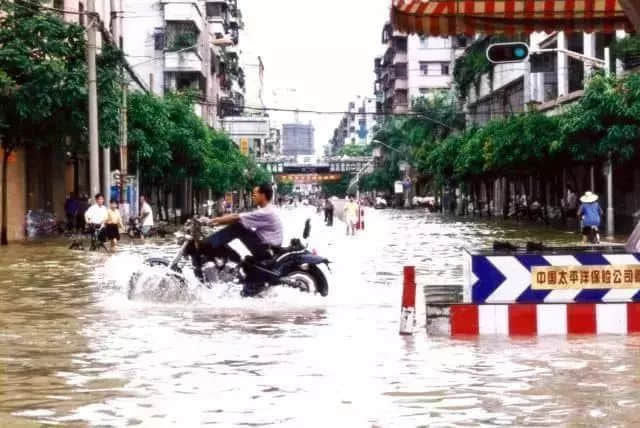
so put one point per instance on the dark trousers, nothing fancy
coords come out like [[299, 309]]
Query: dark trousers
[[217, 246]]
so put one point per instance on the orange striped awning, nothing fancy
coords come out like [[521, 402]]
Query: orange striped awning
[[451, 17]]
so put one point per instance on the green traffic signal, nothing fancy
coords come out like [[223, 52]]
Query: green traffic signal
[[501, 53]]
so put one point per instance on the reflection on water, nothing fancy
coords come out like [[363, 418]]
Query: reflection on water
[[75, 352]]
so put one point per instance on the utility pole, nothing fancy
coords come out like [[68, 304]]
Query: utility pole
[[611, 228], [94, 154]]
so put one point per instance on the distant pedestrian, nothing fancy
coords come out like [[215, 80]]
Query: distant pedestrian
[[590, 213], [146, 216], [113, 223], [71, 211], [351, 216], [572, 203], [328, 209]]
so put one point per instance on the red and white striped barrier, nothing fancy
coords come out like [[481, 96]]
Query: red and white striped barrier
[[408, 311], [544, 319], [360, 225]]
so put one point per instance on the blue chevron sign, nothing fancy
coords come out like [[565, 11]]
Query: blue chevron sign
[[500, 278]]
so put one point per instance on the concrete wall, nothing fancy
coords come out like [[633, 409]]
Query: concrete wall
[[16, 188]]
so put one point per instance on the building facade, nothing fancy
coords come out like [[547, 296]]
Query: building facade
[[357, 125], [188, 45], [547, 82], [38, 181], [298, 139], [412, 67]]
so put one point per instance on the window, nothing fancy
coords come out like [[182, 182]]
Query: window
[[424, 68], [58, 4], [424, 91], [214, 10], [424, 42], [428, 68]]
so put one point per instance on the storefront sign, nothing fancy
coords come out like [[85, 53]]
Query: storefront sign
[[585, 277], [308, 178], [398, 187]]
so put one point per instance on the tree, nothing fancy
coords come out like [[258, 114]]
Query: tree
[[285, 188], [354, 150], [604, 122], [41, 85], [337, 188]]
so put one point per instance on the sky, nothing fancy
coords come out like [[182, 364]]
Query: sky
[[317, 54]]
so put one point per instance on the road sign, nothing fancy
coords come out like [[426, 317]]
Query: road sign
[[503, 53], [244, 146], [399, 187]]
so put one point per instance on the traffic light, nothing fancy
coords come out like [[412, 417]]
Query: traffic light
[[501, 53]]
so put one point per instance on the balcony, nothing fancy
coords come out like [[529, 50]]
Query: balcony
[[218, 11], [400, 58], [400, 84], [185, 11], [184, 61]]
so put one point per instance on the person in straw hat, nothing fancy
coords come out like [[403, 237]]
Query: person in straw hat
[[591, 215]]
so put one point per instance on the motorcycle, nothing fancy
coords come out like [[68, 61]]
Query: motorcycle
[[293, 266]]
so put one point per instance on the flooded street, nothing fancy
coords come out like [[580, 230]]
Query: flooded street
[[74, 351]]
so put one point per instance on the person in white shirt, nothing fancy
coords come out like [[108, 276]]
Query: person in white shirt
[[96, 216], [146, 216]]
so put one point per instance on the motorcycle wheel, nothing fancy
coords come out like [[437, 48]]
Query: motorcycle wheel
[[310, 281]]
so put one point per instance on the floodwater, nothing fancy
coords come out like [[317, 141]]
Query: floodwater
[[75, 352]]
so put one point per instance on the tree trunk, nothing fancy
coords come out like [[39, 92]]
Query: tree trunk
[[166, 203], [506, 195], [5, 162], [76, 176], [159, 202]]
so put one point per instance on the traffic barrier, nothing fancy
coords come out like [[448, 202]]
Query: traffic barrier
[[561, 276], [408, 310], [360, 224], [544, 319]]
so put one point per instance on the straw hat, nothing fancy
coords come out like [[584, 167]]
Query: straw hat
[[588, 197]]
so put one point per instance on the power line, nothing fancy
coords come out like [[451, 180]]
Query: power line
[[37, 6]]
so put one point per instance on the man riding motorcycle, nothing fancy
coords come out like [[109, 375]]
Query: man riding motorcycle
[[259, 230]]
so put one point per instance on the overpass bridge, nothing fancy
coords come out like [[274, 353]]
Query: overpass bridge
[[314, 171]]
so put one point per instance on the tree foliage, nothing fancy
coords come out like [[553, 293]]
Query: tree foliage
[[606, 121], [354, 150], [173, 144]]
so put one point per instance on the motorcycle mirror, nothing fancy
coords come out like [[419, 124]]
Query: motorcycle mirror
[[307, 229]]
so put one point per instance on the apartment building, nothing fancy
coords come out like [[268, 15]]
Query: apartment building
[[298, 139], [547, 82], [413, 66], [188, 45], [357, 125]]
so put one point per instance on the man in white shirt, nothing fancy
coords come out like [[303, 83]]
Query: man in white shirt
[[96, 215], [146, 216]]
